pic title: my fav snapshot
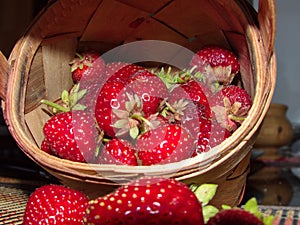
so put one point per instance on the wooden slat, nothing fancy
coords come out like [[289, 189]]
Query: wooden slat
[[57, 71], [267, 24], [113, 22], [148, 6], [35, 91], [4, 68]]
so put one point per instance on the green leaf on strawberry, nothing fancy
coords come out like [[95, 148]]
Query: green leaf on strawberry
[[205, 192], [69, 100], [208, 212], [252, 206]]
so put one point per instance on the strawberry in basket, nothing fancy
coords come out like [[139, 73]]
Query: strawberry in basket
[[230, 106], [72, 135], [88, 65], [138, 113], [165, 144], [131, 90], [217, 65], [71, 132]]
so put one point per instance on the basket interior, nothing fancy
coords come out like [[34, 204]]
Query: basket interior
[[105, 25]]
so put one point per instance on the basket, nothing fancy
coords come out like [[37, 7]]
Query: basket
[[39, 63]]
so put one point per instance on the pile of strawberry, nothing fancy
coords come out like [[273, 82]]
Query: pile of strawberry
[[155, 201], [123, 113]]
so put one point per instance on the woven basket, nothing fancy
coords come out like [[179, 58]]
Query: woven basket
[[39, 64]]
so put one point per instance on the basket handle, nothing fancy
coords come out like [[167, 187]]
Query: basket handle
[[267, 23], [4, 69]]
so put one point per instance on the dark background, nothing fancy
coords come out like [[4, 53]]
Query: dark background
[[15, 17]]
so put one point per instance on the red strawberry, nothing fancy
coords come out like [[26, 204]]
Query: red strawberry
[[46, 147], [195, 92], [145, 84], [88, 65], [72, 135], [210, 135], [234, 217], [231, 106], [131, 91], [121, 71], [118, 151], [150, 88], [165, 144], [217, 64], [154, 201], [112, 96], [55, 204]]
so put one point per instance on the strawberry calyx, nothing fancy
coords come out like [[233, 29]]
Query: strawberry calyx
[[252, 206], [81, 61], [215, 77], [175, 111], [132, 120], [68, 100], [229, 115], [173, 77], [205, 193]]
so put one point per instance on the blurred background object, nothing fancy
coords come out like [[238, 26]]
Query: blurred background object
[[15, 16]]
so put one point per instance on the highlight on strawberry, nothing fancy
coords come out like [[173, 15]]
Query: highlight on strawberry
[[133, 115]]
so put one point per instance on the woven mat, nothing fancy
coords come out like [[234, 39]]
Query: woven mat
[[12, 205], [283, 215]]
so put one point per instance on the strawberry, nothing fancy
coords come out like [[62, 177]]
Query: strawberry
[[234, 217], [121, 71], [55, 204], [46, 147], [72, 135], [118, 151], [88, 65], [210, 135], [130, 91], [145, 84], [112, 96], [230, 106], [147, 201], [216, 63], [164, 144], [195, 92], [150, 88]]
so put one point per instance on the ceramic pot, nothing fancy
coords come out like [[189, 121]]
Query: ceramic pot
[[276, 129]]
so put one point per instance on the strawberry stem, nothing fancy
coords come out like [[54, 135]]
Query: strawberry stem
[[142, 119], [79, 56], [105, 140], [54, 105], [239, 119]]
